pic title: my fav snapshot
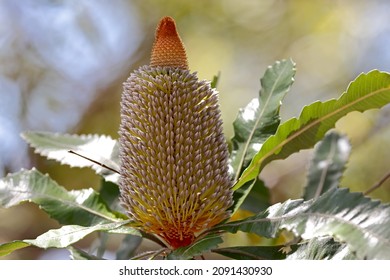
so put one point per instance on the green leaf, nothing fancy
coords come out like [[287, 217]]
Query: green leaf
[[109, 192], [327, 165], [259, 199], [252, 252], [197, 248], [215, 80], [66, 235], [363, 224], [8, 248], [102, 149], [368, 91], [260, 118], [323, 248], [128, 246], [77, 254], [81, 207]]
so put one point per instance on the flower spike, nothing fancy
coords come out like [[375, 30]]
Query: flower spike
[[174, 179]]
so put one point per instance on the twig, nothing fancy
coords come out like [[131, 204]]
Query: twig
[[94, 161], [378, 184]]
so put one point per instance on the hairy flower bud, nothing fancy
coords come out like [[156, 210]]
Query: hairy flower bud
[[174, 158]]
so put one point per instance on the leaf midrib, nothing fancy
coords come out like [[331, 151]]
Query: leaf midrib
[[77, 230], [297, 133], [254, 128], [67, 202], [311, 214]]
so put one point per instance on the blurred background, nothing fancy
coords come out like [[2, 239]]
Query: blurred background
[[62, 64]]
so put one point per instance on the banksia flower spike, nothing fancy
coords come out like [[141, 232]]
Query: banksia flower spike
[[174, 179]]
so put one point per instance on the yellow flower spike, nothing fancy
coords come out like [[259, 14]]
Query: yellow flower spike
[[174, 179]]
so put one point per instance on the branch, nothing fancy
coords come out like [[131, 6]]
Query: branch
[[378, 184]]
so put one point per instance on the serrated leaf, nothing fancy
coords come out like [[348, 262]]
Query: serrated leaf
[[81, 207], [260, 118], [327, 165], [100, 148], [66, 235], [363, 224], [199, 247], [70, 234], [323, 248], [368, 91], [252, 252]]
